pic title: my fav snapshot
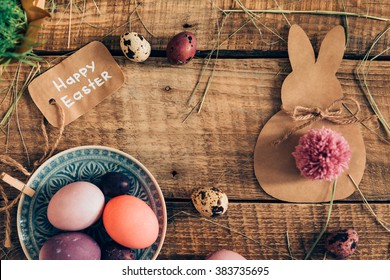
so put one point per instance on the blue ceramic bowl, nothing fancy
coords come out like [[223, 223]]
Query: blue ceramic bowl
[[86, 163]]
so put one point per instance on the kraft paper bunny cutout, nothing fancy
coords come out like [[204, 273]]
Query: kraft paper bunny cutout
[[311, 87]]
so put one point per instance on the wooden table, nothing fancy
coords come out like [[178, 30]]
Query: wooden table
[[215, 148]]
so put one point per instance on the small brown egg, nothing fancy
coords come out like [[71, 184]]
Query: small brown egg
[[210, 202], [181, 48], [342, 243]]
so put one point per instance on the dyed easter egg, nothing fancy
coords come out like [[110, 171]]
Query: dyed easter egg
[[181, 48], [70, 246], [114, 184], [75, 206], [342, 243], [130, 222], [225, 255]]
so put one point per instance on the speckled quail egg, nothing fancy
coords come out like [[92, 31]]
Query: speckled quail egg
[[210, 202], [134, 46], [342, 243], [181, 48]]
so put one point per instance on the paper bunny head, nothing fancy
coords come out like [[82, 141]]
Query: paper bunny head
[[313, 83]]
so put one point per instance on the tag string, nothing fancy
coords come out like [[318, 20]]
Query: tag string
[[333, 113], [7, 160]]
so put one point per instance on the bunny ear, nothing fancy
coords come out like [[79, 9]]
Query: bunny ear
[[300, 50], [332, 49]]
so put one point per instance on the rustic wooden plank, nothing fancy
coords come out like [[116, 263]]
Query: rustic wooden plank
[[189, 237], [166, 18], [214, 148]]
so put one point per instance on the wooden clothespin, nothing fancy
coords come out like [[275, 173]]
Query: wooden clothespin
[[17, 184]]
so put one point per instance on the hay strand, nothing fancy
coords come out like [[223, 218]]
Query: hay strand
[[312, 12], [253, 15], [208, 59], [33, 72], [362, 72], [220, 27], [70, 22], [289, 245], [326, 223], [384, 224], [288, 22], [231, 230], [97, 8], [141, 21], [368, 128], [346, 25]]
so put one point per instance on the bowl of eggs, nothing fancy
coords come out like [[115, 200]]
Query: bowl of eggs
[[92, 202]]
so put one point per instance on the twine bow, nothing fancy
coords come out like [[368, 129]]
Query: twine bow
[[333, 113], [48, 152]]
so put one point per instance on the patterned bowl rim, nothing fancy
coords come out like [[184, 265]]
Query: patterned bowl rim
[[47, 162]]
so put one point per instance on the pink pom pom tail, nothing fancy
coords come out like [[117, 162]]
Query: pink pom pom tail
[[322, 154]]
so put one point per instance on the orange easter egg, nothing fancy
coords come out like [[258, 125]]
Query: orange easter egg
[[130, 222]]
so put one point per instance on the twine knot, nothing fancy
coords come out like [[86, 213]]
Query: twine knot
[[332, 113]]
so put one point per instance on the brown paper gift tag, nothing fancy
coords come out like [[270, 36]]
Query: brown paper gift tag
[[77, 84], [312, 83]]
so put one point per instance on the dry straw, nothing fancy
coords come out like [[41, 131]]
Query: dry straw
[[362, 70], [313, 12], [384, 224], [326, 223], [200, 103], [289, 246], [14, 93], [233, 231], [82, 11], [253, 17], [7, 160]]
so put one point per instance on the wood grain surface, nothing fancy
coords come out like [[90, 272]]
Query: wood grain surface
[[258, 231], [166, 18], [265, 227], [213, 148]]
